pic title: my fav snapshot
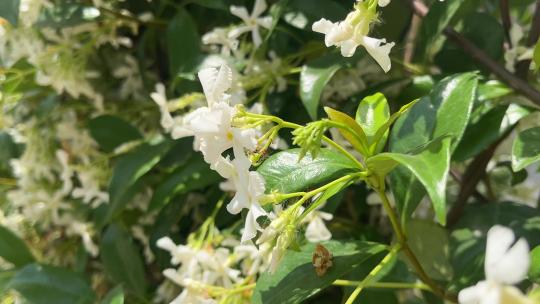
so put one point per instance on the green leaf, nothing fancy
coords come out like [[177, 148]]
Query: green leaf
[[183, 44], [429, 242], [468, 237], [526, 148], [302, 14], [482, 30], [295, 279], [5, 279], [491, 126], [115, 296], [439, 16], [127, 171], [193, 176], [42, 284], [445, 111], [9, 10], [110, 132], [284, 172], [492, 89], [355, 135], [216, 4], [534, 271], [122, 260], [430, 166], [313, 78], [372, 113], [13, 249]]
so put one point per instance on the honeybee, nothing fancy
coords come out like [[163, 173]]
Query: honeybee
[[322, 260]]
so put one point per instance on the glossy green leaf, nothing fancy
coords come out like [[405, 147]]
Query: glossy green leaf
[[115, 296], [13, 249], [302, 14], [488, 129], [526, 148], [42, 284], [439, 16], [183, 44], [444, 112], [468, 237], [492, 89], [354, 135], [110, 132], [295, 279], [127, 171], [196, 174], [429, 242], [9, 10], [313, 78], [534, 270], [372, 114], [122, 260], [285, 173], [430, 166]]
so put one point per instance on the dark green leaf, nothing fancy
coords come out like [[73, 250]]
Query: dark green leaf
[[302, 14], [111, 131], [429, 242], [13, 249], [195, 175], [183, 44], [534, 270], [482, 30], [216, 4], [295, 279], [445, 111], [430, 166], [285, 173], [439, 16], [115, 296], [8, 151], [313, 78], [526, 148], [468, 238], [9, 10], [5, 279], [488, 129], [122, 260], [41, 284], [127, 172]]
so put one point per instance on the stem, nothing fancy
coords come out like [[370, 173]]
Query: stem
[[344, 152], [385, 261], [522, 67], [506, 21], [388, 285], [402, 239]]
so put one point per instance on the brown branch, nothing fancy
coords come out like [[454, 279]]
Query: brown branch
[[472, 176], [522, 67], [410, 40], [482, 58], [506, 21]]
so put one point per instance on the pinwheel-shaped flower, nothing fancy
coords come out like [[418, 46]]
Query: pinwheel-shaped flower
[[505, 265], [251, 22]]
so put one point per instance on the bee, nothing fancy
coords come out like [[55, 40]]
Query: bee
[[322, 260]]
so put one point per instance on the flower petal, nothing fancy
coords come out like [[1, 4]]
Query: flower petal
[[240, 12], [322, 26], [504, 264], [379, 50], [259, 7]]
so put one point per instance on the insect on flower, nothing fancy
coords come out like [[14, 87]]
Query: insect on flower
[[322, 260]]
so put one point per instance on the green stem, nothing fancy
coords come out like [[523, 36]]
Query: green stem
[[387, 285], [371, 276], [402, 239]]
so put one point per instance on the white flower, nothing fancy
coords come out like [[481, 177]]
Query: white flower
[[221, 36], [249, 186], [383, 3], [251, 22], [353, 32], [506, 264], [316, 230]]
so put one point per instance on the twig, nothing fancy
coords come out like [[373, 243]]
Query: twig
[[482, 58], [506, 21], [410, 41], [472, 176], [522, 67], [459, 179]]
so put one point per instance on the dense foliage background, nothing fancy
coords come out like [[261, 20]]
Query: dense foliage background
[[93, 172]]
